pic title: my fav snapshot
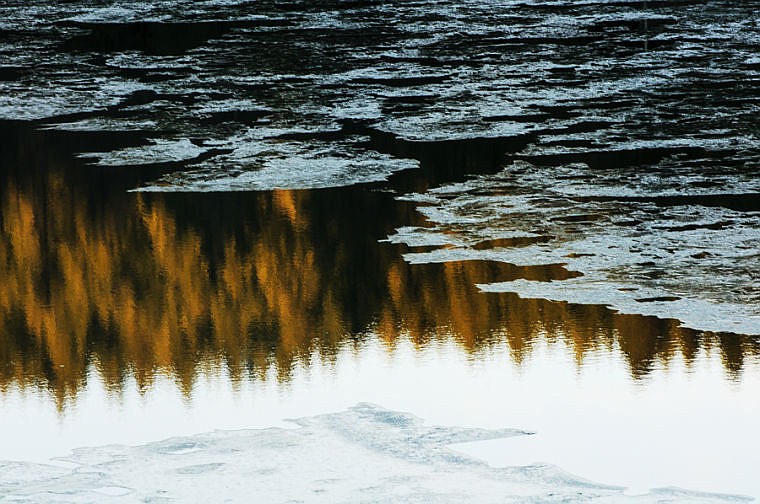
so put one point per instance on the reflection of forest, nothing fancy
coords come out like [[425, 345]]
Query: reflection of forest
[[145, 284]]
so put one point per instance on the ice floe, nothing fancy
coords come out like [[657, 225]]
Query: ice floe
[[159, 151], [363, 454], [655, 244], [266, 165]]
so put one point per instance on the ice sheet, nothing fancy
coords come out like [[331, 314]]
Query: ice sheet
[[254, 167], [364, 454], [159, 151]]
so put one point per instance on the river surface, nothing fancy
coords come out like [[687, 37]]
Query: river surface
[[535, 215]]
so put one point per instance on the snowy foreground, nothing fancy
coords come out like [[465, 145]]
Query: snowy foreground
[[365, 454]]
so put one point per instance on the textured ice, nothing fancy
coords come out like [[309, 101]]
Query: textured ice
[[364, 454], [489, 68], [134, 60], [160, 151], [265, 164], [655, 244], [578, 79], [85, 93], [291, 173], [31, 107], [115, 13], [103, 124]]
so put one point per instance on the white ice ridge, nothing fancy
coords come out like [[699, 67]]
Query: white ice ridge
[[365, 454]]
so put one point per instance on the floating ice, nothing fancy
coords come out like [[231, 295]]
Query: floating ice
[[291, 172], [364, 454], [103, 124], [133, 11], [160, 151], [263, 159], [658, 244], [566, 75]]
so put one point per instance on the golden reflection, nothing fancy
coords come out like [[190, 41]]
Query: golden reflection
[[137, 285]]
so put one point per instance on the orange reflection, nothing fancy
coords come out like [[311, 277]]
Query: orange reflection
[[179, 284]]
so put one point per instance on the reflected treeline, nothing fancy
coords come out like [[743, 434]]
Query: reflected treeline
[[137, 285]]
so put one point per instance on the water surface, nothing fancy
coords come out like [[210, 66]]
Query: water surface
[[131, 317], [535, 215]]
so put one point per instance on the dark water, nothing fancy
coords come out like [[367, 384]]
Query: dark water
[[218, 215]]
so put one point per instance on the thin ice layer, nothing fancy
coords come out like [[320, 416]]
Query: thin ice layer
[[365, 454], [159, 151], [655, 242], [265, 166], [449, 70]]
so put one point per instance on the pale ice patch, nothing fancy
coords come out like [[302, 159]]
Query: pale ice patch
[[112, 491], [98, 124], [230, 105], [263, 159], [118, 13], [422, 238], [364, 454], [359, 107], [138, 60], [292, 172], [446, 123], [32, 106], [20, 101], [694, 313], [639, 250], [13, 108], [158, 151]]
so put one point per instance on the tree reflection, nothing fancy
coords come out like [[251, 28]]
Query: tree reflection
[[137, 285]]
